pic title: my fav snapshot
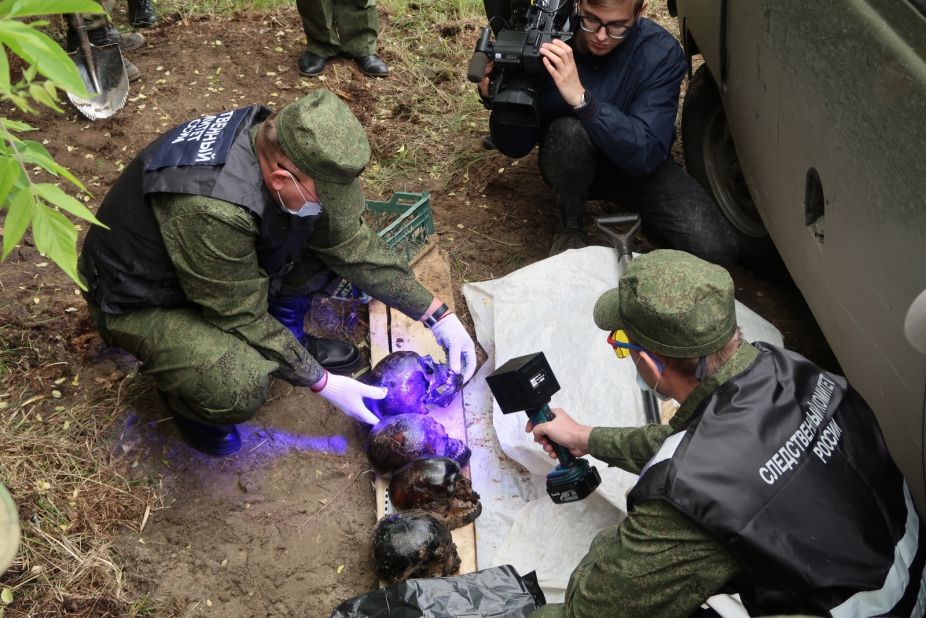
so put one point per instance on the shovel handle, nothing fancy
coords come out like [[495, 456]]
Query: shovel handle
[[78, 24], [618, 220]]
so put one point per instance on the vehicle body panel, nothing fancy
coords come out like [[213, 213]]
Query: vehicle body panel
[[851, 104]]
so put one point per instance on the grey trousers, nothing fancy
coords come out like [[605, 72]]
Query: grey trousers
[[675, 210]]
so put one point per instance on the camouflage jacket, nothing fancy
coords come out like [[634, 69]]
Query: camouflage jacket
[[658, 562], [212, 245]]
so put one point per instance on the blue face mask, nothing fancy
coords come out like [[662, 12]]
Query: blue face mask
[[646, 387], [308, 209]]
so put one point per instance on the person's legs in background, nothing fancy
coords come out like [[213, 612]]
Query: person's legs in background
[[101, 31], [567, 164], [675, 210]]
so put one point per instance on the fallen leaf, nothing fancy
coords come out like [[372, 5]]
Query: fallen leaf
[[514, 162], [67, 425], [318, 473], [56, 394], [6, 596], [141, 540], [41, 265], [224, 562], [159, 69], [323, 501], [38, 417], [208, 603], [340, 568], [106, 384], [278, 49], [70, 310], [36, 300], [188, 547], [60, 380], [501, 169]]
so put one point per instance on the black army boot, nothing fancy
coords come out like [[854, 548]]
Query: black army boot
[[311, 64], [129, 41], [213, 440], [372, 65], [141, 14], [340, 357]]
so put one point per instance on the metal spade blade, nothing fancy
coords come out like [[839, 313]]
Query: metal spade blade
[[103, 74]]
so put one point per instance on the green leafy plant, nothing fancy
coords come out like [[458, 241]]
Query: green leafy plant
[[26, 201]]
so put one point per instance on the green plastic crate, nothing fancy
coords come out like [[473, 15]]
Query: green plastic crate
[[405, 221]]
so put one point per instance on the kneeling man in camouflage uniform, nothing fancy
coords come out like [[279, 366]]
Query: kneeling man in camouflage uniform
[[772, 479], [220, 233]]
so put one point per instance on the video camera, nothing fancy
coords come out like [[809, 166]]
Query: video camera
[[518, 65]]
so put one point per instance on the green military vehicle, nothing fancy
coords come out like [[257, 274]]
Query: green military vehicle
[[807, 123]]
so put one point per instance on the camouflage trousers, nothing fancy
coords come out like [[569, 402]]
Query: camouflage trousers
[[333, 27], [208, 375], [95, 21]]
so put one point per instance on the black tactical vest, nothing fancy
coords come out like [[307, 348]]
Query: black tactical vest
[[127, 267], [786, 465]]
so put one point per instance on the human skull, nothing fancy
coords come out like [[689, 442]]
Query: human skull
[[399, 440], [436, 485], [412, 544], [414, 382]]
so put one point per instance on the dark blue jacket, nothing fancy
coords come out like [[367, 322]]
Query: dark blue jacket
[[634, 100]]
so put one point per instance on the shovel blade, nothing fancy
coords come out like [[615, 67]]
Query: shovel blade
[[111, 77]]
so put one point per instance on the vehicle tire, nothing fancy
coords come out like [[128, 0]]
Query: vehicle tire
[[711, 159]]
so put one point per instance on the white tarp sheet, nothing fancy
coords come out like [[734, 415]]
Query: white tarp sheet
[[547, 307]]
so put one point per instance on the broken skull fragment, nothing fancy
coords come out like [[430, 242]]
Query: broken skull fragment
[[436, 485], [414, 382], [399, 440], [412, 544]]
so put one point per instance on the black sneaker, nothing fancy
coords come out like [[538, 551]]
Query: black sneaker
[[567, 238], [213, 440]]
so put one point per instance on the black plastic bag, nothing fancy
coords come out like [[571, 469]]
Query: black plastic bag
[[498, 592]]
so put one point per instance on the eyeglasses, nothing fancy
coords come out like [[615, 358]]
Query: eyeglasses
[[593, 25], [622, 347]]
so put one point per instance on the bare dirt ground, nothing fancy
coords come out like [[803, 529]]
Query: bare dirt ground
[[280, 529]]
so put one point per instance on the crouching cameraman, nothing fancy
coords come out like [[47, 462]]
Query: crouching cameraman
[[607, 124]]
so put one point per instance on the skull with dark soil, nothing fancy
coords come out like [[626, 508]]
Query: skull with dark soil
[[436, 485], [414, 382], [412, 544], [399, 440]]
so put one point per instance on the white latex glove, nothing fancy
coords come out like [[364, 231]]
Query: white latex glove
[[347, 395], [460, 349]]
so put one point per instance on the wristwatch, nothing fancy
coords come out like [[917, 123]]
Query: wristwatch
[[586, 98], [432, 319]]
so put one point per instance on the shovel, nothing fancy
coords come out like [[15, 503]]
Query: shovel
[[103, 74], [622, 242]]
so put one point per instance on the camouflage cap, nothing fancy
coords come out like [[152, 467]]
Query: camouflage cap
[[672, 303], [321, 136]]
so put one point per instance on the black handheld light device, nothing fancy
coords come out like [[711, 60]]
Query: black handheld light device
[[526, 384]]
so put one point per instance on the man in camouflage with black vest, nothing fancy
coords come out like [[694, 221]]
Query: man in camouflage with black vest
[[772, 479], [221, 232]]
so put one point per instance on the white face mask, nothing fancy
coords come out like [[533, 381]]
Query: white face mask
[[308, 209], [646, 387]]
